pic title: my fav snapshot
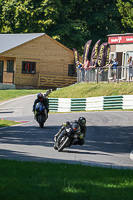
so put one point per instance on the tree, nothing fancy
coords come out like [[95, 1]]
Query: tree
[[126, 10], [21, 16], [71, 22]]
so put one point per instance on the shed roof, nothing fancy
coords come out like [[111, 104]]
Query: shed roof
[[9, 41], [123, 34]]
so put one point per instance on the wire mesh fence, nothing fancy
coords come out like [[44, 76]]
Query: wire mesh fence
[[105, 74]]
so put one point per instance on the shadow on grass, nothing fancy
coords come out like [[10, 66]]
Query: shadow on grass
[[34, 180]]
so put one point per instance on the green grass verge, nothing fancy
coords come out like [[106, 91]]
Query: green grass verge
[[38, 181], [84, 90], [6, 123], [10, 94]]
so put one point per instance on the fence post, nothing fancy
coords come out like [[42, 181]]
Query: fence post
[[117, 75], [128, 74], [13, 77], [97, 73], [108, 73]]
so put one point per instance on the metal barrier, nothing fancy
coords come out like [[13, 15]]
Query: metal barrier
[[78, 104], [105, 74], [91, 103], [112, 102], [75, 104]]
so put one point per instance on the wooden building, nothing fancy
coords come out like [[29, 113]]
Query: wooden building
[[35, 61]]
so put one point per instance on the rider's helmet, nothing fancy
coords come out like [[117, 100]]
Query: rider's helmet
[[82, 121], [76, 127], [40, 96]]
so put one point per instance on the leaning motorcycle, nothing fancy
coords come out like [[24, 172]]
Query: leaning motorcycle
[[40, 114], [67, 136]]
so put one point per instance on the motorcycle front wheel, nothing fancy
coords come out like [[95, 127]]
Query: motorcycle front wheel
[[41, 121], [62, 143]]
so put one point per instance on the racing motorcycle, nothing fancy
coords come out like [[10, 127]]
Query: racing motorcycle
[[40, 114], [67, 136]]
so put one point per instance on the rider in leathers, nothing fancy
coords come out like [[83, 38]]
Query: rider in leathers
[[43, 100], [82, 122]]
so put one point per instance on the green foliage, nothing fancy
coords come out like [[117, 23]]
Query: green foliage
[[71, 22], [126, 10]]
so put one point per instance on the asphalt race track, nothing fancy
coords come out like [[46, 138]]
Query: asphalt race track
[[108, 142]]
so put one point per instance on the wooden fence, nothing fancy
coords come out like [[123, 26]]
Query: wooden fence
[[52, 81]]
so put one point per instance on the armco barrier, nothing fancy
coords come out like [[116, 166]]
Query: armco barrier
[[75, 104], [91, 103], [127, 102], [78, 104], [112, 102]]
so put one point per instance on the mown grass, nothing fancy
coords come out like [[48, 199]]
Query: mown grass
[[10, 94], [45, 180], [84, 90], [38, 181], [80, 90], [6, 123]]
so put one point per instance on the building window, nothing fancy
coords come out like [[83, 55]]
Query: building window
[[71, 70], [28, 67], [10, 65]]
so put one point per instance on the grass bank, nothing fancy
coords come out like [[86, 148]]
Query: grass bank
[[34, 181], [6, 123], [84, 90], [10, 94]]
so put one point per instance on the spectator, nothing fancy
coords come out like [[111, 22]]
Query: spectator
[[114, 65], [129, 64], [96, 70], [86, 67], [81, 68], [110, 63]]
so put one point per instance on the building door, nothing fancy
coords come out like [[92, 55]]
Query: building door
[[119, 58], [1, 71]]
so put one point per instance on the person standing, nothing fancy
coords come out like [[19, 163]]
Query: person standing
[[86, 68], [129, 64], [81, 68], [115, 66]]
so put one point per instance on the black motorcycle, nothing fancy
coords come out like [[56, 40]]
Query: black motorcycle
[[67, 136], [40, 114]]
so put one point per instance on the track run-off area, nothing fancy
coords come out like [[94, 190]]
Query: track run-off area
[[108, 141]]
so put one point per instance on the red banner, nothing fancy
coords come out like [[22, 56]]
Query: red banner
[[120, 39]]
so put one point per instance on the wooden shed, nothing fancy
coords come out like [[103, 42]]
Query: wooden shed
[[35, 60]]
